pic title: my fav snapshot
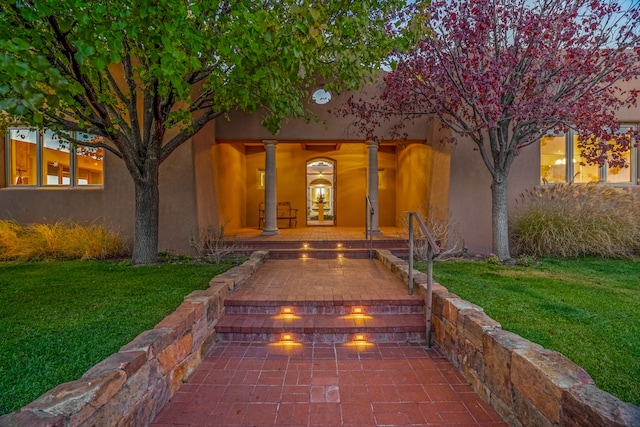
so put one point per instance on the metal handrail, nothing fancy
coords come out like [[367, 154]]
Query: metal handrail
[[368, 218], [432, 251]]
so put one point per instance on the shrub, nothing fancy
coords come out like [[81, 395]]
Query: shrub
[[568, 220], [442, 229], [58, 241], [211, 244]]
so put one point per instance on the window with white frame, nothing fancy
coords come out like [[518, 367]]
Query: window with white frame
[[41, 158], [560, 161]]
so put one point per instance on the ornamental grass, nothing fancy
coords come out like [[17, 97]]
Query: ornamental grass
[[58, 241], [570, 220]]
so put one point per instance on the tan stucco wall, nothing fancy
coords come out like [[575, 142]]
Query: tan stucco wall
[[230, 184], [207, 205], [331, 126], [178, 210], [423, 181], [470, 194], [50, 205]]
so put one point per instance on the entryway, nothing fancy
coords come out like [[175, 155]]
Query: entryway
[[321, 191]]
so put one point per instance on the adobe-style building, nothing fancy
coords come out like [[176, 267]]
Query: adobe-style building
[[228, 169]]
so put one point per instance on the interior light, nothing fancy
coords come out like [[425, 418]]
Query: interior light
[[285, 337], [357, 310], [287, 310], [359, 337]]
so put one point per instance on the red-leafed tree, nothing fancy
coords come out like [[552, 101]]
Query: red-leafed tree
[[502, 73]]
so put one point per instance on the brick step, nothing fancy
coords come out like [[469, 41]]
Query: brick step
[[325, 338], [322, 328], [319, 253], [366, 307], [320, 249], [321, 244]]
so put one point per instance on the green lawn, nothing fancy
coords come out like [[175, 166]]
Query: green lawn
[[587, 309], [57, 319]]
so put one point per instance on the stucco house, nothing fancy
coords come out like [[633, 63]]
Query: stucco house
[[228, 169]]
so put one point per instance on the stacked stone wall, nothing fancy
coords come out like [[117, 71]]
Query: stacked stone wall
[[131, 386], [527, 384]]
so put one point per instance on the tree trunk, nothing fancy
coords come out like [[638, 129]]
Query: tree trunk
[[500, 221], [145, 241]]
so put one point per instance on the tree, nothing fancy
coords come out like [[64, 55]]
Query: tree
[[148, 75], [502, 73]]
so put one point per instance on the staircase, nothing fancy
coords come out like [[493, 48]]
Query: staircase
[[317, 322], [359, 302]]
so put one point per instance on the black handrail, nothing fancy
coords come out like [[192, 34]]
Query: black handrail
[[432, 251]]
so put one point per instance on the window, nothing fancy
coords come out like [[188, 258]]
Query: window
[[36, 158], [261, 177], [554, 167]]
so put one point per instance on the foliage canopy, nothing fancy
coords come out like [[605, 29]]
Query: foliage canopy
[[501, 74]]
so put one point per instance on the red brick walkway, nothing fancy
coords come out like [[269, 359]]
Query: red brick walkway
[[244, 384], [313, 384]]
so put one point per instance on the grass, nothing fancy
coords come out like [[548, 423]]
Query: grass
[[587, 309], [58, 319]]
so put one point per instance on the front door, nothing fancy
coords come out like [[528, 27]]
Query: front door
[[321, 192]]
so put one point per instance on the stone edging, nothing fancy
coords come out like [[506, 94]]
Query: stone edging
[[130, 387], [525, 383]]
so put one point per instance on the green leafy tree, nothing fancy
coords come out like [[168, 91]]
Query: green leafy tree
[[148, 75]]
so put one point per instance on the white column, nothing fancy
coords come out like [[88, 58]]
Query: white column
[[270, 193], [372, 185]]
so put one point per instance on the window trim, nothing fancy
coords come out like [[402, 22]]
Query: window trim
[[40, 172]]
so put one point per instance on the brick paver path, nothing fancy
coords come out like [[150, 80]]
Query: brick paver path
[[346, 384]]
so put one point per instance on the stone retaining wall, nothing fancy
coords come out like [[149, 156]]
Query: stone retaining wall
[[130, 387], [525, 383]]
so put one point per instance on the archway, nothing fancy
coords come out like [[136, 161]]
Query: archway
[[321, 191]]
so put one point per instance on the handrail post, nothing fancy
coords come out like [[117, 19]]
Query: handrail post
[[368, 218], [429, 292], [410, 253], [432, 251]]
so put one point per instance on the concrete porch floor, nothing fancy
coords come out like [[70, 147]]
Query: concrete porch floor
[[347, 384]]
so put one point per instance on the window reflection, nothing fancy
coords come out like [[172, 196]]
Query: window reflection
[[553, 159], [23, 167], [55, 159], [89, 160], [583, 172]]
